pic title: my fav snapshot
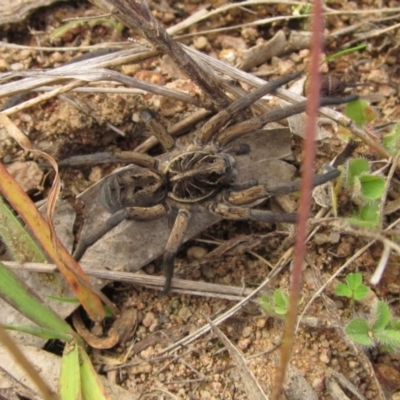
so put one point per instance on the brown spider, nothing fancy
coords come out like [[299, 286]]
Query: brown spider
[[203, 178]]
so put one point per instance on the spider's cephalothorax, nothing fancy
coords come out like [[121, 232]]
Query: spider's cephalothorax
[[204, 179], [197, 175]]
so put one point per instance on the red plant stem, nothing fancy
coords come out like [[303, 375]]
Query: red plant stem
[[305, 196]]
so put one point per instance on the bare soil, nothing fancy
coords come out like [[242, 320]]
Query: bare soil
[[204, 369]]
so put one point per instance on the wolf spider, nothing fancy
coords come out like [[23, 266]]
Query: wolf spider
[[204, 173]]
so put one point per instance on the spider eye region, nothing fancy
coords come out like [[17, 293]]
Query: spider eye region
[[136, 187], [197, 175]]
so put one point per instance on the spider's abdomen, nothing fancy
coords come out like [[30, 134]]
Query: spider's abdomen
[[197, 175], [133, 188]]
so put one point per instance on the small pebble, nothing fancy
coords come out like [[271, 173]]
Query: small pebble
[[323, 357], [334, 362], [150, 269], [161, 377], [321, 238], [130, 69], [136, 117], [228, 55], [217, 387], [27, 174], [205, 395], [4, 65], [247, 331], [196, 252], [324, 343], [144, 368], [185, 313], [285, 67], [353, 364], [200, 42], [96, 174], [261, 323], [344, 249], [16, 66], [57, 57], [386, 90], [249, 34], [378, 76], [243, 344], [168, 17], [304, 53], [148, 319], [334, 237], [295, 58]]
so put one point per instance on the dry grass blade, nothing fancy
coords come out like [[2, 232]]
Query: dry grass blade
[[136, 14], [44, 231], [24, 142], [112, 59], [35, 79], [26, 365], [335, 380], [305, 199], [13, 11], [292, 97], [179, 285]]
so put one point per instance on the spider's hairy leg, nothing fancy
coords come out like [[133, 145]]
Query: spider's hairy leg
[[249, 214], [219, 120], [132, 193], [256, 192], [253, 124], [123, 157], [133, 187], [157, 129], [136, 213], [174, 242]]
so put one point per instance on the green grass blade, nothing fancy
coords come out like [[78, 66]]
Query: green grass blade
[[69, 385], [21, 245], [43, 333], [92, 388], [344, 52], [20, 296]]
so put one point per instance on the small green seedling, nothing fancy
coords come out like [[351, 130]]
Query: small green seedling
[[278, 304], [361, 113], [368, 216], [383, 329], [391, 141], [366, 189], [363, 185], [353, 288]]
